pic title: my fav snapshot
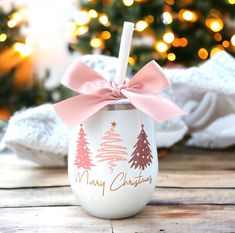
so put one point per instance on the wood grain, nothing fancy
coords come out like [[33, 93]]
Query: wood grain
[[195, 193], [196, 159], [63, 196], [178, 219], [27, 175], [199, 179]]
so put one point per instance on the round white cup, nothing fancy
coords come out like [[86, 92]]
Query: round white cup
[[112, 162]]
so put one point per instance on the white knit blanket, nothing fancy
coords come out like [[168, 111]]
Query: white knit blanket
[[206, 92]]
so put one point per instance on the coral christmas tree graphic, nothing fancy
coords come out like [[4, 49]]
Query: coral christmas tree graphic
[[82, 159], [142, 155], [110, 151]]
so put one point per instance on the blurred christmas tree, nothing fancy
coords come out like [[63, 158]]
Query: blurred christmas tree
[[180, 32], [19, 86]]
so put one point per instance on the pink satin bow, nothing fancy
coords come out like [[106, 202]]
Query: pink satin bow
[[96, 92]]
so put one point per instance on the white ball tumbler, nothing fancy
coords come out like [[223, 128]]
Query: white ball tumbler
[[113, 161]]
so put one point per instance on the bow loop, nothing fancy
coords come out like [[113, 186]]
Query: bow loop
[[150, 79], [96, 93], [82, 79]]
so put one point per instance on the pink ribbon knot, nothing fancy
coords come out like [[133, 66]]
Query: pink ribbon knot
[[96, 92]]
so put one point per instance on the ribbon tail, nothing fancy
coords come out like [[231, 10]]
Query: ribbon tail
[[78, 108], [155, 106]]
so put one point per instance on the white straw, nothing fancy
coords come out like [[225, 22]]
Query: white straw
[[124, 52]]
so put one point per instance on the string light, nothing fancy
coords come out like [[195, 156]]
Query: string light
[[215, 25], [233, 40], [93, 13], [11, 23], [231, 2], [23, 49], [105, 35], [170, 2], [216, 50], [202, 53], [176, 42], [128, 2], [104, 20], [167, 18], [168, 37], [183, 42], [149, 19], [171, 56], [225, 44], [141, 25], [188, 15], [96, 43], [131, 61], [17, 18], [80, 30], [180, 42], [82, 18], [3, 37], [218, 36], [161, 46]]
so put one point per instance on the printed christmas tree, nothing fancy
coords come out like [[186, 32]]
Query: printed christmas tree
[[82, 159], [142, 155], [110, 152]]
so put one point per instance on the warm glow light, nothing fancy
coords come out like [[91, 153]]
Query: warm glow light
[[167, 18], [216, 50], [225, 44], [188, 15], [176, 42], [141, 25], [131, 61], [96, 43], [170, 2], [202, 53], [168, 37], [218, 36], [128, 2], [215, 25], [11, 23], [231, 2], [80, 30], [105, 35], [183, 42], [180, 42], [3, 37], [18, 17], [93, 13], [161, 46], [104, 20], [171, 56], [24, 49], [82, 18], [233, 40], [149, 19]]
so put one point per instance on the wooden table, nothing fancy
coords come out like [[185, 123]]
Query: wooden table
[[195, 193]]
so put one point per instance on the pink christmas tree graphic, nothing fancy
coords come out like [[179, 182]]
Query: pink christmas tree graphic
[[82, 159], [142, 155], [110, 151]]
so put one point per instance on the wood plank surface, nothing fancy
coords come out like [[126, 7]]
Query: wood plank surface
[[195, 193], [195, 159], [27, 175], [63, 196], [162, 218]]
